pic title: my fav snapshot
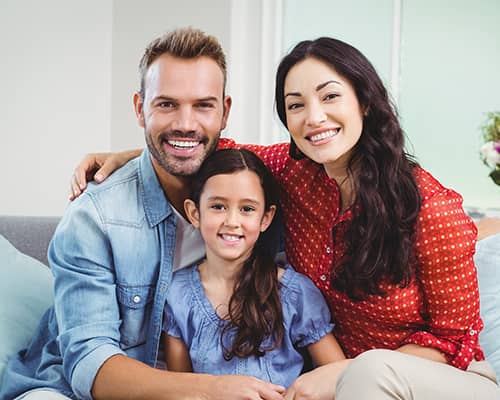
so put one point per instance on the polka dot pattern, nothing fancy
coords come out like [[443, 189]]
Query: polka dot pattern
[[439, 309]]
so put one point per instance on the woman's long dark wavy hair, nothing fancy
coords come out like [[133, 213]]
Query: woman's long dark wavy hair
[[380, 239], [254, 311]]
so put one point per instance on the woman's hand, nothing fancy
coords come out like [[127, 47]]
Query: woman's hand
[[97, 167], [318, 384]]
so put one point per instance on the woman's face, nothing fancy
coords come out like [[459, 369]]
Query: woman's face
[[323, 114]]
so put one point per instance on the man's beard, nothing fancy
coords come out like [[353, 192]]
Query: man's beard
[[184, 167]]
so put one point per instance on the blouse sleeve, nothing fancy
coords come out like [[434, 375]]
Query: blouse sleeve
[[274, 156], [445, 246], [309, 315]]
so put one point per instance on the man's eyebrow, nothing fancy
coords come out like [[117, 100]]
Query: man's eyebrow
[[319, 87]]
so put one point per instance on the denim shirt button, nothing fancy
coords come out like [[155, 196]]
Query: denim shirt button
[[137, 299]]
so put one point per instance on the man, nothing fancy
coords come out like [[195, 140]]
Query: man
[[116, 247]]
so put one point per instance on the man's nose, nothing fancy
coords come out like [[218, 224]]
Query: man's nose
[[185, 120]]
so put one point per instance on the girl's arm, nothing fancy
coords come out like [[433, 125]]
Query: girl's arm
[[325, 351], [177, 355]]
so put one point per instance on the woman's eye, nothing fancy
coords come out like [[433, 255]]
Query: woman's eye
[[331, 96], [294, 106]]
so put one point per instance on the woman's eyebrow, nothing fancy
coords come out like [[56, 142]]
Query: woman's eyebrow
[[318, 88], [322, 85]]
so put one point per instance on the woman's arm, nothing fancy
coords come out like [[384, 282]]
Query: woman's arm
[[177, 355], [98, 166]]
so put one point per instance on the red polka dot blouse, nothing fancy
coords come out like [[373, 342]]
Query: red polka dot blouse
[[439, 308]]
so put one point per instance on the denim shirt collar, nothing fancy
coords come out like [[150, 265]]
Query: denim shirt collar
[[156, 205]]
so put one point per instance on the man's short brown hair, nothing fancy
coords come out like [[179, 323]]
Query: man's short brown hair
[[183, 43]]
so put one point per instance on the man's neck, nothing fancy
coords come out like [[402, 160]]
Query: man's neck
[[176, 188]]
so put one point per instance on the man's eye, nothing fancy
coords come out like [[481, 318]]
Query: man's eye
[[166, 104], [205, 105]]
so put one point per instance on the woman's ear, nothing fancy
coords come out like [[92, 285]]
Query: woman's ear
[[267, 218], [192, 212]]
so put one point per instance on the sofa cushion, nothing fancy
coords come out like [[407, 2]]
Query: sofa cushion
[[487, 261], [27, 287]]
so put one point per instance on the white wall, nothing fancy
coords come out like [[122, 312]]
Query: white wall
[[55, 73]]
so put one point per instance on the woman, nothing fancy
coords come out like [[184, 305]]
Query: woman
[[390, 248]]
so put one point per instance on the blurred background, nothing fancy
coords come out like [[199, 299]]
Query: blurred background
[[68, 71]]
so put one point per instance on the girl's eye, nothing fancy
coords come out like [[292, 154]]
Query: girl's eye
[[217, 206], [247, 209]]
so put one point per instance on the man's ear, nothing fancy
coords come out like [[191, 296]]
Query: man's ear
[[139, 108], [227, 102], [192, 212], [267, 218]]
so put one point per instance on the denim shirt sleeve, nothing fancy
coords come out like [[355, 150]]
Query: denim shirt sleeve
[[85, 295]]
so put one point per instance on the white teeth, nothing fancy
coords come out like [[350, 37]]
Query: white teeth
[[230, 238], [324, 135], [182, 143]]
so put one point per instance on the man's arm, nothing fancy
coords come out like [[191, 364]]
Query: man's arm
[[123, 378]]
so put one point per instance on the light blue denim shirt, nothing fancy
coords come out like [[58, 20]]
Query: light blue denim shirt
[[111, 257], [189, 315]]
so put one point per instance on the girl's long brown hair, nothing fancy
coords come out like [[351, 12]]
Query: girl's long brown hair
[[254, 312]]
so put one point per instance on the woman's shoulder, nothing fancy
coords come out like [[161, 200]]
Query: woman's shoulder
[[430, 187]]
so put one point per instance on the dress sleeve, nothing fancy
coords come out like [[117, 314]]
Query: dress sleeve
[[170, 326], [445, 246], [309, 315]]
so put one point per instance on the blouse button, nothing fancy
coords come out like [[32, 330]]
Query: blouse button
[[472, 332], [137, 299], [323, 277], [328, 250]]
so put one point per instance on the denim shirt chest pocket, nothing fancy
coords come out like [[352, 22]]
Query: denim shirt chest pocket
[[136, 304]]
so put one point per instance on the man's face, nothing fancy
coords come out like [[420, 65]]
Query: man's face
[[182, 112]]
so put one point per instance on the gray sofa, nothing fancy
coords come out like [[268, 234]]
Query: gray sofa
[[30, 235]]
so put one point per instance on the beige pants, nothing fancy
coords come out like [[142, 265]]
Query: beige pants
[[390, 375], [42, 395]]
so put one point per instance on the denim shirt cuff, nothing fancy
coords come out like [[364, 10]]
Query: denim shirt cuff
[[86, 370]]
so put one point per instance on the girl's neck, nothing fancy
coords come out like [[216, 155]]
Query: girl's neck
[[218, 279]]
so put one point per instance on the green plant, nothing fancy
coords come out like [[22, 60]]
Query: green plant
[[490, 151]]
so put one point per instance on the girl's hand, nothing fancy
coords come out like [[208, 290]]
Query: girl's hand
[[97, 167], [318, 384]]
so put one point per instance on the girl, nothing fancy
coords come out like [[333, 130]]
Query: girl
[[238, 312], [390, 248]]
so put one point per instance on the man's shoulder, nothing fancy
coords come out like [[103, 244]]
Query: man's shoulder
[[124, 176]]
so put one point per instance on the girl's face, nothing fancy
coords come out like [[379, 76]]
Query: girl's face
[[323, 114], [231, 215]]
